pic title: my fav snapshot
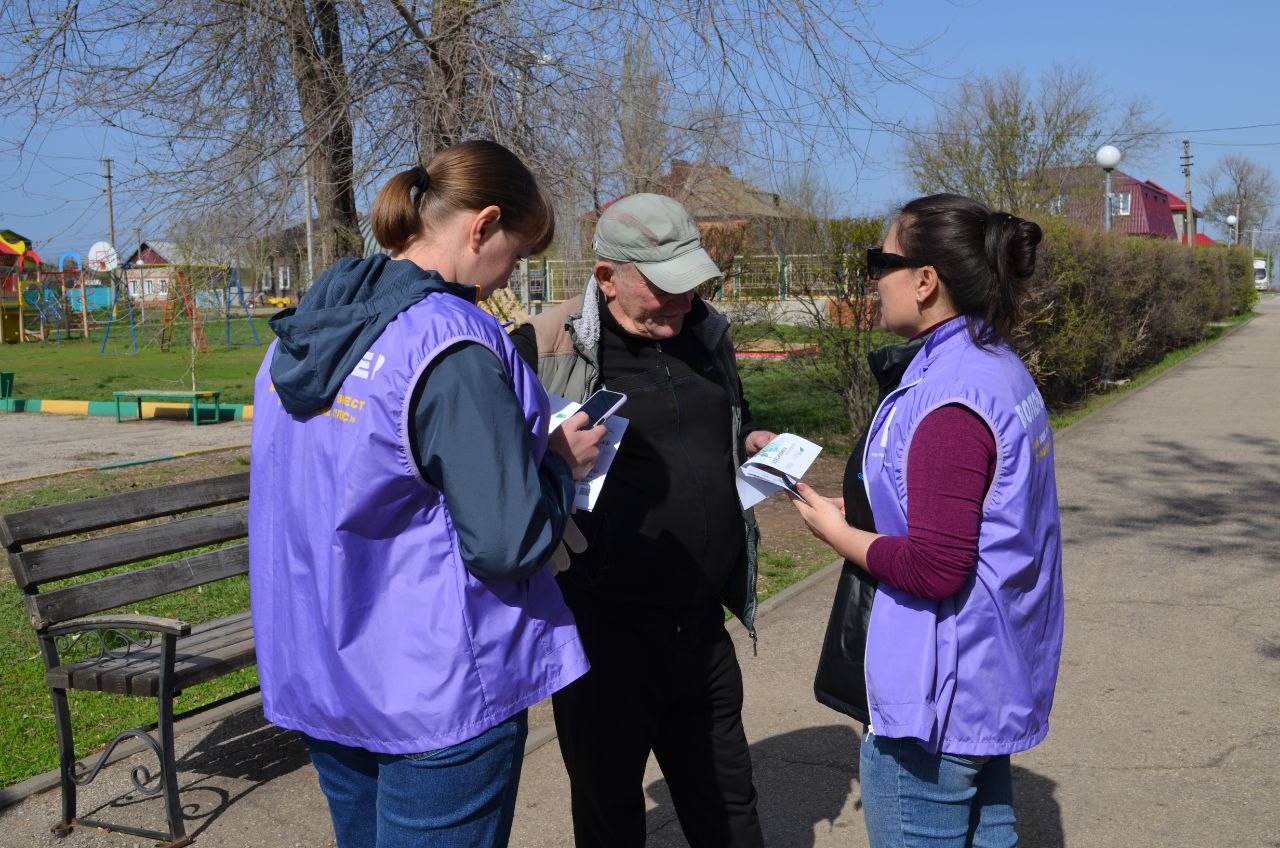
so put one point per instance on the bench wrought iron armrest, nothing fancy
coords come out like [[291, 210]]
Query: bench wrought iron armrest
[[128, 621], [106, 641]]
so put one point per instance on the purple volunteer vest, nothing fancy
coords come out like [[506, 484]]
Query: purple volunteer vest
[[369, 629], [974, 674]]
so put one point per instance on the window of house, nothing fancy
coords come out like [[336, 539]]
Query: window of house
[[133, 288], [284, 277], [1057, 204], [147, 289], [1122, 202], [162, 286]]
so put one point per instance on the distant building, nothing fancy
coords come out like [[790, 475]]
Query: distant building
[[283, 272], [728, 210], [1178, 207], [151, 272], [1140, 208], [716, 198]]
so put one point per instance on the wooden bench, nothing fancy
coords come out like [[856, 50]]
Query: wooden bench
[[192, 398], [129, 654]]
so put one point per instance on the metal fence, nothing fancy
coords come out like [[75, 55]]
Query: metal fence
[[757, 278]]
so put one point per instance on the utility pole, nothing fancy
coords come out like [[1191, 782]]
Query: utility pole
[[1187, 159], [111, 209], [306, 199]]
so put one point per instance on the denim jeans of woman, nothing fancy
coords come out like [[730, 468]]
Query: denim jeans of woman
[[463, 795], [912, 798]]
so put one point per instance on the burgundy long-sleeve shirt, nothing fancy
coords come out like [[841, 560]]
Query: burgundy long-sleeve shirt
[[950, 465]]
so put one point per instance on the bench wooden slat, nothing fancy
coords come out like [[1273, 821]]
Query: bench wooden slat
[[212, 650], [50, 522], [120, 677], [210, 634], [59, 605], [43, 565]]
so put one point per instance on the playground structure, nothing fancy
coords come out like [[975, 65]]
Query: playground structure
[[169, 305], [162, 305], [38, 305]]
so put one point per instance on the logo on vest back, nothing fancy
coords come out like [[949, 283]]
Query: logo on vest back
[[366, 369], [1029, 409]]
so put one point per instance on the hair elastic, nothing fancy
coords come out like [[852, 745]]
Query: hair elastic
[[420, 186]]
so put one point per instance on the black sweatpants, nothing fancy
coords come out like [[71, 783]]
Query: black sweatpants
[[665, 681]]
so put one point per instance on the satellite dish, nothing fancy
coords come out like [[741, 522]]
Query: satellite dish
[[102, 257]]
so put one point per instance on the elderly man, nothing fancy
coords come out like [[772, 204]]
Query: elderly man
[[668, 541]]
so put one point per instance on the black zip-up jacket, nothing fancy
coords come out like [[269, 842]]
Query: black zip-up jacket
[[841, 682], [667, 530]]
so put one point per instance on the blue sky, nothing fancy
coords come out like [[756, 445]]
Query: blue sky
[[1201, 67]]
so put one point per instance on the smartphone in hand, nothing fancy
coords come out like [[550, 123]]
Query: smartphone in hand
[[601, 405]]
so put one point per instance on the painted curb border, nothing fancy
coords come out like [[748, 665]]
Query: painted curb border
[[171, 411]]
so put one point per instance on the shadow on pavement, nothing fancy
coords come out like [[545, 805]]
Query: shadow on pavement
[[1039, 816], [1185, 486], [805, 779], [235, 758]]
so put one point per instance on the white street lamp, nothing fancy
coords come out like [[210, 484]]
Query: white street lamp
[[1108, 156], [1233, 231]]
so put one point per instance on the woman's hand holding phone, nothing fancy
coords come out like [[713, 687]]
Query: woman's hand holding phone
[[578, 447]]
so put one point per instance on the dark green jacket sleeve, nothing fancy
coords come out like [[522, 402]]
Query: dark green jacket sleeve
[[469, 438]]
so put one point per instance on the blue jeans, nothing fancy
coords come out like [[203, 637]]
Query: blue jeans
[[463, 795], [913, 798]]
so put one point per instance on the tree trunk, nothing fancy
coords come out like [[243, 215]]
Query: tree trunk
[[443, 117], [325, 102]]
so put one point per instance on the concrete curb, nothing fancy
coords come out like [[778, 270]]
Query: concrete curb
[[769, 605], [180, 411], [125, 464]]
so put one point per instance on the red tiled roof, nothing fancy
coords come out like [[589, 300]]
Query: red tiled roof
[[1201, 238]]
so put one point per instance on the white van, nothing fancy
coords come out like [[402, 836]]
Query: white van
[[1261, 278]]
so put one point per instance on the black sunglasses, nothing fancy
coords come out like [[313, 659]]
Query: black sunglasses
[[880, 263]]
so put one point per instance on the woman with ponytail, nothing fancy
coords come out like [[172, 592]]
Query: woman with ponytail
[[946, 632], [404, 498]]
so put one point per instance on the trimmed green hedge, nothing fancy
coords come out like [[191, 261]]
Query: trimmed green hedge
[[1106, 306]]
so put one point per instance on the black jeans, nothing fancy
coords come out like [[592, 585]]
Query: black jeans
[[665, 681]]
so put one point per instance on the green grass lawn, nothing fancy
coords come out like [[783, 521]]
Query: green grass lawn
[[74, 370]]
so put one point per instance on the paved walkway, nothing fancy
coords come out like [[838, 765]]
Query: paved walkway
[[1166, 728], [42, 444]]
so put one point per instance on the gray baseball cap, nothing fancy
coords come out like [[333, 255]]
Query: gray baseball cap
[[660, 237]]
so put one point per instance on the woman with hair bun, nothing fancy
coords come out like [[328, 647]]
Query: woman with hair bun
[[404, 497], [946, 631]]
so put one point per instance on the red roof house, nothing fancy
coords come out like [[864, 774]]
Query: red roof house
[[1178, 206], [1140, 209]]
